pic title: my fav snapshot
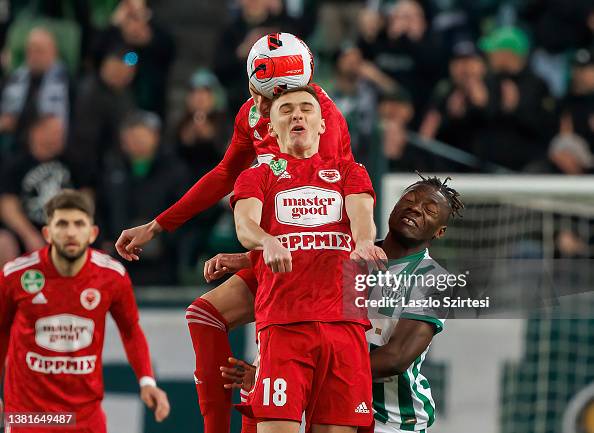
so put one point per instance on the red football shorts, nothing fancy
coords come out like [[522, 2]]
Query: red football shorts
[[317, 367], [248, 276]]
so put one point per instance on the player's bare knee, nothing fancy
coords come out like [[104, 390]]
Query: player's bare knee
[[233, 300], [319, 428]]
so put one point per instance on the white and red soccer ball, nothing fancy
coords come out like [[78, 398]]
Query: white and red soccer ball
[[277, 62]]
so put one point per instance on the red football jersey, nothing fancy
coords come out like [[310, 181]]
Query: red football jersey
[[304, 207], [57, 328], [250, 141]]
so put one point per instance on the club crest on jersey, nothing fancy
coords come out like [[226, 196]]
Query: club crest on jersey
[[253, 117], [278, 166], [90, 298], [330, 176], [32, 281]]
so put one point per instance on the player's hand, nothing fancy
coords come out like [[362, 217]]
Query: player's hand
[[241, 374], [370, 254], [156, 400], [223, 264], [277, 257], [131, 240]]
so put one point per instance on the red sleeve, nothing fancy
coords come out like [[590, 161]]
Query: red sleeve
[[250, 184], [7, 310], [125, 313], [356, 180], [218, 182], [345, 138], [328, 106]]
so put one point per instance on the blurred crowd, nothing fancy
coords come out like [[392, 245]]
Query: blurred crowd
[[430, 85]]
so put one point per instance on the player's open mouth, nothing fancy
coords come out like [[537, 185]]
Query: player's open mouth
[[409, 221], [297, 128]]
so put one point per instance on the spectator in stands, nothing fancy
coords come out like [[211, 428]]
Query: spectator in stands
[[150, 47], [407, 52], [103, 100], [30, 180], [557, 26], [38, 88], [522, 112], [571, 151], [254, 20], [356, 98], [201, 134], [137, 183], [396, 112], [458, 110], [578, 107]]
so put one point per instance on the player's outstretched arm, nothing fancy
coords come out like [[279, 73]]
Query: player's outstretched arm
[[409, 340], [205, 193], [223, 264], [248, 213], [131, 240], [359, 209]]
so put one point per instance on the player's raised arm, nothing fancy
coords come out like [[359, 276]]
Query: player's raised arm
[[409, 340], [206, 192], [125, 313]]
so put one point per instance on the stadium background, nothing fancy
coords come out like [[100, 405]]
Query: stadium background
[[138, 101]]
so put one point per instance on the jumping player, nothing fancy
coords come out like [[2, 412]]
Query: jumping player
[[305, 216], [276, 61], [53, 305], [400, 337]]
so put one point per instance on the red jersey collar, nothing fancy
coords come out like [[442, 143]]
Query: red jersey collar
[[51, 270]]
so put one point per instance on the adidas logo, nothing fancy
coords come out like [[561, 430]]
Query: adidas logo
[[257, 135], [285, 175], [362, 408], [39, 299]]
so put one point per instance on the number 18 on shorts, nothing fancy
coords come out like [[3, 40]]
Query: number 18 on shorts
[[318, 368]]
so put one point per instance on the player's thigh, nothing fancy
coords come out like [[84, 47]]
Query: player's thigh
[[317, 428], [234, 300], [278, 427], [344, 397]]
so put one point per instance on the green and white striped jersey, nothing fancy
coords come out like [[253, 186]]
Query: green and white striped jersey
[[404, 402]]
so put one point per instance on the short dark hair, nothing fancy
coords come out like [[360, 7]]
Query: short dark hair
[[70, 199], [451, 195], [307, 89]]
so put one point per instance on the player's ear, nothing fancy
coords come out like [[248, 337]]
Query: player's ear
[[94, 233], [45, 233], [322, 126], [271, 131], [440, 233]]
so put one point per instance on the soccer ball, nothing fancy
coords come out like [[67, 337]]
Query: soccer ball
[[277, 62]]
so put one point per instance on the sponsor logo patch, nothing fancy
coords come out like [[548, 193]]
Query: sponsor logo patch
[[64, 332], [316, 241], [308, 206], [61, 364], [32, 281], [330, 176], [253, 117], [278, 166], [90, 298]]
